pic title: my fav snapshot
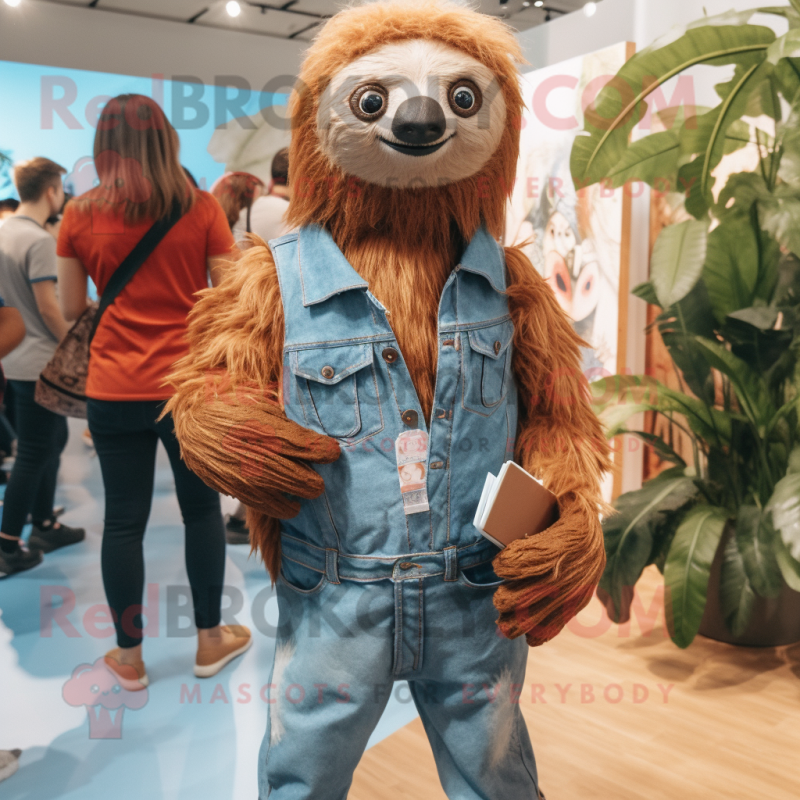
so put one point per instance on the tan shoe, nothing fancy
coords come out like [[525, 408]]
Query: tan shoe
[[213, 656], [132, 677]]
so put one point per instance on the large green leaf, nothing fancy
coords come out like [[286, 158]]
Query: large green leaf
[[751, 389], [786, 46], [755, 537], [646, 292], [739, 194], [709, 137], [619, 397], [753, 337], [736, 596], [784, 505], [661, 448], [620, 104], [629, 533], [678, 326], [780, 216], [789, 567], [677, 260], [687, 569], [787, 289], [653, 159], [730, 271]]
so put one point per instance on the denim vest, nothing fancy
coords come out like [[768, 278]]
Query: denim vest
[[344, 376]]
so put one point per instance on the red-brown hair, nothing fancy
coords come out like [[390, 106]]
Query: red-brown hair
[[136, 154]]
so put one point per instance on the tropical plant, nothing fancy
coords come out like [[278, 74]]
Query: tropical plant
[[5, 171], [728, 286]]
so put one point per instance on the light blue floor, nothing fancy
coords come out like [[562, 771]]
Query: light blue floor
[[171, 748]]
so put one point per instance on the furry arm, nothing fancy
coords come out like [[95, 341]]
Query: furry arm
[[227, 407], [551, 576]]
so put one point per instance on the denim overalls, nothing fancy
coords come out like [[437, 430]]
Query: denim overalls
[[368, 594]]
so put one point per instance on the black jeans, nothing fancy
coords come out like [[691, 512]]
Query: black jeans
[[125, 436], [41, 438]]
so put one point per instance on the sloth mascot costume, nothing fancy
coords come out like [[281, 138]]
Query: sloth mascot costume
[[353, 382]]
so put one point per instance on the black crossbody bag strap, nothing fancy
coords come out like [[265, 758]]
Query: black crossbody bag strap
[[128, 268]]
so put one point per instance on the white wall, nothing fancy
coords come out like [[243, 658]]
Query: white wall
[[74, 37], [638, 21]]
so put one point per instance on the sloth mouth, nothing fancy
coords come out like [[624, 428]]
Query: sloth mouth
[[416, 149]]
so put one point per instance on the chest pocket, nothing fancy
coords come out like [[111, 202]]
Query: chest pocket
[[338, 390], [487, 367]]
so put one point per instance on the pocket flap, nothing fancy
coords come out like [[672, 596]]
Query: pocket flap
[[492, 341], [329, 365]]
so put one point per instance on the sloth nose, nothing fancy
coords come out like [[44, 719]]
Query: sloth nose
[[419, 120]]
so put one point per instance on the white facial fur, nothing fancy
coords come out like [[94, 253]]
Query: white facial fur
[[405, 70]]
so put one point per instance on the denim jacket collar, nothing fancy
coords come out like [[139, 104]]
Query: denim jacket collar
[[484, 256], [325, 272]]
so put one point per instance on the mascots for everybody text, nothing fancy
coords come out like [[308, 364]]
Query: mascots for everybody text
[[354, 382]]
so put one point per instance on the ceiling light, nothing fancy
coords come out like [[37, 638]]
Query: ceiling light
[[233, 8], [526, 3], [13, 3], [589, 9], [539, 3]]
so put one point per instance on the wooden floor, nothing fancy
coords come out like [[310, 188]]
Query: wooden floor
[[712, 722]]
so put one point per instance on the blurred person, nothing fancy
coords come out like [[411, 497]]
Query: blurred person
[[28, 283], [53, 222], [266, 215], [236, 192], [139, 337], [8, 207]]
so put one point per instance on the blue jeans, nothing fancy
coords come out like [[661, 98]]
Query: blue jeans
[[338, 651]]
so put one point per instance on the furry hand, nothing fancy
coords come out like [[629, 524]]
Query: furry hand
[[551, 576], [252, 451]]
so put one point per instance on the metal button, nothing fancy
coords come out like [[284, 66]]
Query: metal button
[[437, 464], [497, 347], [390, 355], [327, 372], [410, 417]]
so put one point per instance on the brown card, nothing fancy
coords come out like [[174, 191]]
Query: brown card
[[522, 507]]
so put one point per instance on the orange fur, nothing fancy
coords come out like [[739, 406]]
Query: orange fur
[[405, 243], [552, 575]]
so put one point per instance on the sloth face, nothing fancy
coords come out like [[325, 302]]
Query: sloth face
[[412, 114]]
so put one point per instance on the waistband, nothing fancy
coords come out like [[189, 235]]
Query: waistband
[[338, 566]]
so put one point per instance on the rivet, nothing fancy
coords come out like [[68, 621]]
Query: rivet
[[409, 565], [437, 464], [497, 347], [328, 372], [410, 417]]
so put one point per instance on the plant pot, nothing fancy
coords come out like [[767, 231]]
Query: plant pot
[[775, 620]]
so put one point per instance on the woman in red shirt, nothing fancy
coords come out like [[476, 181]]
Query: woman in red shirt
[[140, 336]]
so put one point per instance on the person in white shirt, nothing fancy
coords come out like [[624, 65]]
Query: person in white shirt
[[265, 216]]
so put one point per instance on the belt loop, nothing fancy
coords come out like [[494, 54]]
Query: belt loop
[[451, 563], [332, 565]]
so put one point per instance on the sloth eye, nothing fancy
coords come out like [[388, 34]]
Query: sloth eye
[[369, 102], [465, 97]]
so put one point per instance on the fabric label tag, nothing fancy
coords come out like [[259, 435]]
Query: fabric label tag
[[411, 448]]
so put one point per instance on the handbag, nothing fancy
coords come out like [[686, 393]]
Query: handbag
[[61, 387]]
